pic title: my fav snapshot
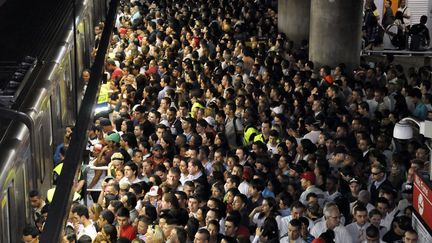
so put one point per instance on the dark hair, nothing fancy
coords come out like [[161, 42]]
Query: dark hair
[[108, 216], [30, 230], [205, 232], [151, 212], [270, 228], [304, 221], [123, 212], [85, 239], [111, 231], [133, 167], [257, 184], [131, 199], [171, 198], [233, 220], [81, 210], [235, 179], [215, 223], [181, 234], [423, 19], [328, 236], [295, 222], [34, 193], [137, 188], [372, 231], [192, 227], [130, 139]]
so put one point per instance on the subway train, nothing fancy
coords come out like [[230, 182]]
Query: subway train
[[42, 54]]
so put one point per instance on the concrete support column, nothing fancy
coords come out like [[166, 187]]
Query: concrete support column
[[293, 19], [335, 32]]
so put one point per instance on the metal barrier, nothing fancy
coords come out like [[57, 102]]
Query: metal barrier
[[397, 52], [92, 167]]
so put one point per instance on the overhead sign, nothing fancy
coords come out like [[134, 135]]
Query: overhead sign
[[422, 196]]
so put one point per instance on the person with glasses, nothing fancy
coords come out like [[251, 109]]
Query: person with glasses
[[332, 220], [379, 180]]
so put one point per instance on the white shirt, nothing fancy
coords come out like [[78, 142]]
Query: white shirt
[[406, 12], [341, 234], [283, 230], [313, 136], [285, 239], [332, 197], [126, 180], [244, 188], [90, 230], [388, 219], [317, 191], [191, 177], [183, 178], [357, 232]]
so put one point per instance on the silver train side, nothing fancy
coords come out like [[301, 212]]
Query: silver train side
[[26, 161]]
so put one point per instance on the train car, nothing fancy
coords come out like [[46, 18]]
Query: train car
[[41, 60]]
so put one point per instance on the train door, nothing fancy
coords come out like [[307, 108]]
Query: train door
[[11, 213], [13, 218], [81, 61], [5, 216], [20, 199], [47, 146]]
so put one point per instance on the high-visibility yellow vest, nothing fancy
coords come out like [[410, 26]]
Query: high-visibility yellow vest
[[259, 137], [249, 135], [103, 94], [195, 105]]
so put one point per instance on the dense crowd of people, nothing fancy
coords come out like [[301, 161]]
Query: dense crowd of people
[[212, 128]]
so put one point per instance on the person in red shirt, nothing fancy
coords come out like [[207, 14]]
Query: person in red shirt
[[124, 227], [116, 72]]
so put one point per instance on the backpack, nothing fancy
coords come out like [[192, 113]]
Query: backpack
[[417, 34], [397, 40]]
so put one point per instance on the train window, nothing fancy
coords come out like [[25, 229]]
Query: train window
[[88, 38], [48, 123], [80, 50], [63, 97], [57, 104], [39, 149]]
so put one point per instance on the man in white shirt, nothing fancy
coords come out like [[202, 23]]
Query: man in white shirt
[[297, 210], [308, 185], [357, 229], [82, 224], [131, 173], [243, 187], [405, 11], [331, 221], [313, 129], [293, 235]]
